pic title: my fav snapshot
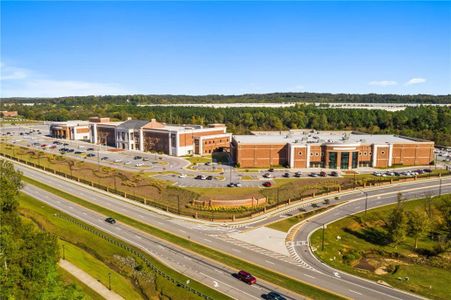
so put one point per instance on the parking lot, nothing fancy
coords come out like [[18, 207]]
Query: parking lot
[[174, 169]]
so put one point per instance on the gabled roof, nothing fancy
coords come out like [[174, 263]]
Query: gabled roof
[[132, 124]]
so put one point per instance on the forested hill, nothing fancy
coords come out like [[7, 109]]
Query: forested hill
[[428, 122], [246, 98]]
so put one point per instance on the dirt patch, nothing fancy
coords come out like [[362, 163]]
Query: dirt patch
[[364, 264]]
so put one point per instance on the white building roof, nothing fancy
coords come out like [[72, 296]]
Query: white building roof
[[316, 137]]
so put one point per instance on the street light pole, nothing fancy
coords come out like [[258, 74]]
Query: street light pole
[[322, 240], [64, 252], [109, 281], [366, 202]]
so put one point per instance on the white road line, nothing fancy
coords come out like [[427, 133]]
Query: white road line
[[218, 281], [269, 262], [139, 237], [236, 250], [310, 276], [352, 291], [207, 240], [182, 230]]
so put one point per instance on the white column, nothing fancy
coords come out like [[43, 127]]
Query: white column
[[374, 156], [170, 143], [308, 155], [141, 140], [177, 144], [130, 136], [390, 155], [291, 157], [201, 146]]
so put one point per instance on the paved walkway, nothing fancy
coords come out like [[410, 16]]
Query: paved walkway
[[90, 281]]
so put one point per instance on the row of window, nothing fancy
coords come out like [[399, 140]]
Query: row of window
[[360, 153], [215, 141]]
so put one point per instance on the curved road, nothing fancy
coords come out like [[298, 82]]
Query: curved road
[[304, 251], [210, 234]]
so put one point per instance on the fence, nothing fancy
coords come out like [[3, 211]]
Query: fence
[[133, 251], [224, 215]]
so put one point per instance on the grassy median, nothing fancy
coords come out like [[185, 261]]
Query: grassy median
[[361, 245], [131, 278], [273, 277]]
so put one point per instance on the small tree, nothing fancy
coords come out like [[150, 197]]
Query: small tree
[[417, 225], [397, 225]]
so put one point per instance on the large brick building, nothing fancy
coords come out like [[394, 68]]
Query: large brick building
[[333, 149], [70, 130], [177, 140]]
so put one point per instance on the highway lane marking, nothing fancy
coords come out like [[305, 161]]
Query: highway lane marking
[[207, 240], [85, 213], [139, 237], [352, 291], [141, 216], [236, 250], [310, 276], [269, 262], [182, 230], [232, 287]]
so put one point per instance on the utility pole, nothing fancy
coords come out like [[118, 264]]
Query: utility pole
[[366, 202], [64, 252], [322, 240], [178, 204], [109, 281]]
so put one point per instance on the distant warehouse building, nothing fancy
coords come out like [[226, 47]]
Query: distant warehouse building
[[177, 140], [333, 150], [70, 130]]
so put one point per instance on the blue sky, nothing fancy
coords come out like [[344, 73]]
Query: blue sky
[[80, 48]]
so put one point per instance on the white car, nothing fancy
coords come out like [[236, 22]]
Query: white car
[[118, 160], [127, 162], [182, 176], [139, 165]]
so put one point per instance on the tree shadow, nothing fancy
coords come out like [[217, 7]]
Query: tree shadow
[[371, 235]]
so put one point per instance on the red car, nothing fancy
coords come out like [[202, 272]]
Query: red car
[[322, 174], [246, 277], [267, 184]]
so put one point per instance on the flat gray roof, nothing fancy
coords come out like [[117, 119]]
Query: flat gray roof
[[316, 137]]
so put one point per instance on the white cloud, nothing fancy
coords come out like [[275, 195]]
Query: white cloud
[[383, 83], [13, 73], [414, 81], [19, 82]]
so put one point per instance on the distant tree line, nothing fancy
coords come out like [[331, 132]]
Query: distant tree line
[[246, 98], [427, 122]]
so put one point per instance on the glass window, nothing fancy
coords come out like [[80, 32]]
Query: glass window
[[355, 159], [332, 160], [344, 160]]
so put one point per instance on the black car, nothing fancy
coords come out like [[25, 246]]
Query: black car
[[90, 149], [138, 157], [66, 144], [209, 177], [77, 152], [110, 220], [104, 158], [90, 155], [271, 170], [427, 170], [334, 174], [198, 177], [70, 150], [286, 175], [273, 296]]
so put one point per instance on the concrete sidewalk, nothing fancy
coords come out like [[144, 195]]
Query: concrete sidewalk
[[90, 281]]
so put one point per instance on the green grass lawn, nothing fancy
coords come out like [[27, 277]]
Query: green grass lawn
[[114, 257], [198, 159], [68, 278], [276, 278], [357, 252], [99, 270]]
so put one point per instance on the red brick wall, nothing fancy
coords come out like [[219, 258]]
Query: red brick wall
[[262, 156], [413, 154]]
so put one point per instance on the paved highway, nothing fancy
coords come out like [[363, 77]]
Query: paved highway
[[208, 272], [212, 235]]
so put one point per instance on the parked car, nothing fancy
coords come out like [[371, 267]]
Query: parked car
[[66, 144], [313, 175], [267, 184], [334, 173], [110, 220], [267, 175], [139, 165], [145, 159], [78, 152], [118, 160], [271, 170], [286, 175], [238, 184], [182, 176], [70, 150], [273, 296], [90, 155], [322, 174], [137, 157], [209, 177], [104, 158], [90, 149], [246, 277], [127, 162], [297, 174]]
